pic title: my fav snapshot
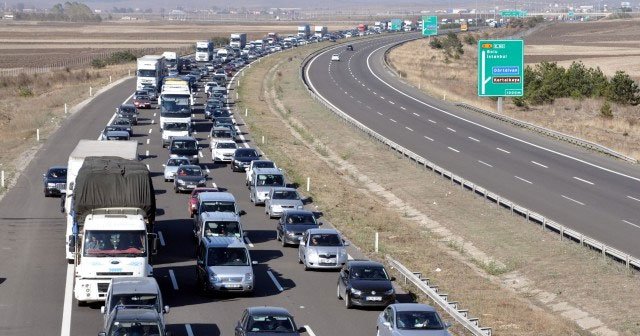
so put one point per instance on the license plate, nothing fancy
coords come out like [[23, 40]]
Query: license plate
[[191, 186], [233, 286], [328, 261], [374, 298]]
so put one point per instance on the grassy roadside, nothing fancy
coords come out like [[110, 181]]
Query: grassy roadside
[[521, 289], [30, 102]]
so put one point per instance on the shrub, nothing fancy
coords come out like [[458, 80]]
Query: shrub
[[623, 89], [605, 110], [98, 63], [435, 43], [25, 91], [470, 39]]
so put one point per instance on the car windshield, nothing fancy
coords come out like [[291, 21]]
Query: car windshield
[[141, 97], [226, 145], [134, 300], [227, 256], [270, 180], [222, 134], [418, 320], [146, 73], [326, 239], [114, 243], [264, 164], [117, 137], [134, 328], [128, 109], [286, 195], [221, 229], [184, 144], [177, 162], [246, 153], [57, 173], [219, 206], [189, 171], [268, 323], [121, 122], [175, 102], [224, 120], [176, 126], [369, 273], [301, 219]]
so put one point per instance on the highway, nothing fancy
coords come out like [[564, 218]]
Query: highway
[[595, 195], [36, 282]]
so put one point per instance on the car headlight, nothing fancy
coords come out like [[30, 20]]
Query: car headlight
[[291, 233], [248, 277], [195, 156], [203, 181], [181, 182], [49, 184], [214, 278], [355, 291], [389, 292], [299, 207]]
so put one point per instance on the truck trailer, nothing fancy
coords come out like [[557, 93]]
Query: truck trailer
[[238, 40], [204, 51], [320, 31], [304, 31], [151, 69]]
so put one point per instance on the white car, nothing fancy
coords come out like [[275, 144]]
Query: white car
[[223, 149], [257, 164], [335, 57]]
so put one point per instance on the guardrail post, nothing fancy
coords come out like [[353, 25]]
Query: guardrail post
[[37, 134], [65, 108], [90, 91], [308, 183], [263, 139], [2, 179], [109, 79], [376, 242], [246, 112]]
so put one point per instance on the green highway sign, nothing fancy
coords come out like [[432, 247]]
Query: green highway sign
[[571, 14], [512, 13], [500, 68], [429, 25]]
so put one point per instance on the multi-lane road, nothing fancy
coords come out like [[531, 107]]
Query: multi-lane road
[[35, 280], [585, 191]]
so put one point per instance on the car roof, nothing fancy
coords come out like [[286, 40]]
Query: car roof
[[224, 141], [219, 216], [179, 158], [183, 138], [117, 133], [192, 166], [323, 231], [294, 212], [412, 307], [220, 128], [128, 105], [233, 242], [57, 167], [136, 314], [267, 310], [364, 263], [140, 285], [216, 196], [274, 189], [268, 171]]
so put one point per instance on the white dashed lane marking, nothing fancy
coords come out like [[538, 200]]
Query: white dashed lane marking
[[474, 139], [523, 180], [408, 128], [451, 129], [539, 164], [486, 164], [428, 138], [393, 120], [503, 150], [583, 180], [453, 149], [572, 200]]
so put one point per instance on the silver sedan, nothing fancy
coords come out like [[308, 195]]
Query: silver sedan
[[322, 248], [171, 167], [411, 319], [281, 199]]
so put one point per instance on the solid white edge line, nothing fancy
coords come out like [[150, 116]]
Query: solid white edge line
[[275, 281], [188, 328], [484, 163], [309, 331], [453, 149], [248, 241], [572, 200], [583, 180], [173, 280], [632, 224], [490, 129], [65, 328], [523, 180], [161, 237], [539, 164]]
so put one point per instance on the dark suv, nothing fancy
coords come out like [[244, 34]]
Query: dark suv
[[242, 158], [130, 112], [365, 283], [55, 181]]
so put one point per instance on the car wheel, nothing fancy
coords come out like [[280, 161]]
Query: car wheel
[[175, 189], [347, 301], [338, 293], [304, 262], [283, 241], [277, 235], [82, 303], [166, 180], [299, 259]]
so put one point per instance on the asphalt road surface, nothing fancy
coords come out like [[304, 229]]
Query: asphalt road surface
[[588, 192], [35, 278]]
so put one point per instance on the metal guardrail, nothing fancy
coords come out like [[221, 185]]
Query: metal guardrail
[[539, 129], [441, 299], [531, 216]]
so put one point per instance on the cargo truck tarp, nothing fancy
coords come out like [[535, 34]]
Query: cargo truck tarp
[[106, 182]]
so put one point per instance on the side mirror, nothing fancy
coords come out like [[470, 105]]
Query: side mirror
[[102, 333], [102, 309], [166, 310], [387, 324], [447, 325], [253, 262], [153, 239], [346, 243], [242, 213], [164, 165], [72, 244], [302, 329], [320, 223]]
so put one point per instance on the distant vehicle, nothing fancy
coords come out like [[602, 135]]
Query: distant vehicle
[[117, 135], [141, 321], [322, 248], [335, 57], [189, 177], [171, 167], [280, 200], [149, 91], [219, 133], [185, 146], [193, 199], [262, 180], [365, 283], [242, 158], [174, 129], [267, 321], [258, 164], [133, 292], [125, 123], [142, 101], [222, 150], [223, 264], [109, 128], [408, 319], [55, 181], [293, 224], [130, 112], [350, 47]]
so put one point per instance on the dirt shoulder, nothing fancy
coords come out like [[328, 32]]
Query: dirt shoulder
[[517, 279], [563, 43]]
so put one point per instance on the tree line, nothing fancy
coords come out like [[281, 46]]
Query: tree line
[[69, 11]]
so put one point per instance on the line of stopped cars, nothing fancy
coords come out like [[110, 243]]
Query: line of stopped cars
[[223, 264]]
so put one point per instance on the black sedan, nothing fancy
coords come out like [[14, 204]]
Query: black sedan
[[293, 224], [365, 283], [242, 158], [189, 177], [267, 321], [55, 181], [130, 112]]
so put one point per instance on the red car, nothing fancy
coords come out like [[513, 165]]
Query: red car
[[193, 199], [142, 101]]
